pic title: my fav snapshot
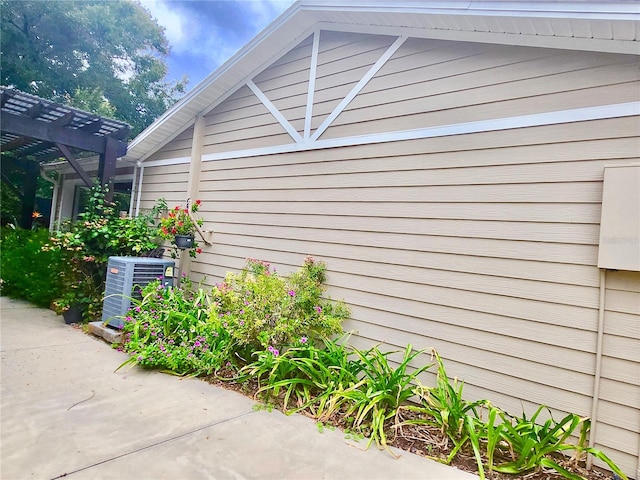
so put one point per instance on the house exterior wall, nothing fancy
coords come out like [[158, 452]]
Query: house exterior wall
[[482, 245]]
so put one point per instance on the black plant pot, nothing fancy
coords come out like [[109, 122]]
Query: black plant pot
[[73, 315], [184, 241]]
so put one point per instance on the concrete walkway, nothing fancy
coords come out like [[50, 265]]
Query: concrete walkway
[[65, 413]]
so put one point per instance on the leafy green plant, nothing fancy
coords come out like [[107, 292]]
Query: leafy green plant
[[311, 375], [260, 309], [180, 221], [86, 244], [27, 272], [531, 445], [444, 407], [382, 390], [169, 329]]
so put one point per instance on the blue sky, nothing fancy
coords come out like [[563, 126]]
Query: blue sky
[[203, 34]]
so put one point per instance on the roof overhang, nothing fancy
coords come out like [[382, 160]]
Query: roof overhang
[[612, 27]]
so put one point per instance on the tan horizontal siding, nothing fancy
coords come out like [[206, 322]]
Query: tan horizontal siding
[[336, 74], [483, 246], [618, 428], [178, 147], [537, 251], [323, 177], [517, 212], [337, 160], [541, 232], [622, 324], [616, 415], [501, 267], [545, 193], [622, 370], [352, 123], [451, 84], [168, 182]]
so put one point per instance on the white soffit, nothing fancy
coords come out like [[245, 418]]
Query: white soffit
[[577, 25]]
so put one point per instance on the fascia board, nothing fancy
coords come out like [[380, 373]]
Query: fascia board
[[624, 10]]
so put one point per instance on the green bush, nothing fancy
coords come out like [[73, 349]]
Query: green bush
[[27, 272], [86, 244], [168, 328], [263, 310]]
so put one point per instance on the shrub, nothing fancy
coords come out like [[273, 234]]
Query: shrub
[[86, 244], [168, 328], [28, 272], [262, 310]]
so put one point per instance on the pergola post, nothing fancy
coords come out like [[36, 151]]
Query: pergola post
[[31, 173]]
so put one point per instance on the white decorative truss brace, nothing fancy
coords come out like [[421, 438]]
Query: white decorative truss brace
[[308, 137], [310, 140]]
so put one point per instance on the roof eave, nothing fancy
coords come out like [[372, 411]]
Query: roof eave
[[313, 14]]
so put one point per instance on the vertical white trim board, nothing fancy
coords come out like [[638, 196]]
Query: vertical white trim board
[[308, 116]]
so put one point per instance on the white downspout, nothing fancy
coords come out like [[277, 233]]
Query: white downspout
[[598, 372], [54, 199], [139, 189], [134, 190]]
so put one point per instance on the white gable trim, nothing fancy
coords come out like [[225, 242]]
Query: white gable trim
[[522, 121], [358, 87], [274, 111]]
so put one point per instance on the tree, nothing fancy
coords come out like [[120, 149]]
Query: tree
[[104, 56]]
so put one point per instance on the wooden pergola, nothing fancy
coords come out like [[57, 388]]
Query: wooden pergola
[[34, 131]]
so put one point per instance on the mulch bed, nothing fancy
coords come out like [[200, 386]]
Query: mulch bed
[[420, 439]]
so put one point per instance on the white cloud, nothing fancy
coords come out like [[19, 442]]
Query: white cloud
[[203, 34], [262, 12], [175, 24]]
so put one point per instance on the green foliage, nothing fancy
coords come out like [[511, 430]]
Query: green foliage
[[444, 407], [260, 309], [108, 57], [188, 331], [308, 374], [532, 445], [86, 244], [168, 329], [383, 389], [27, 271]]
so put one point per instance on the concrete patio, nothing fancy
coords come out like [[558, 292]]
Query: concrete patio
[[66, 413]]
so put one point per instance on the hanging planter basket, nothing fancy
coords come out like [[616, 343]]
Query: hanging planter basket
[[184, 242]]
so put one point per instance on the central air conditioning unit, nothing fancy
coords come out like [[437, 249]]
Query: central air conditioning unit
[[126, 276]]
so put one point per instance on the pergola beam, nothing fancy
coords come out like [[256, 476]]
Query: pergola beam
[[47, 131]]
